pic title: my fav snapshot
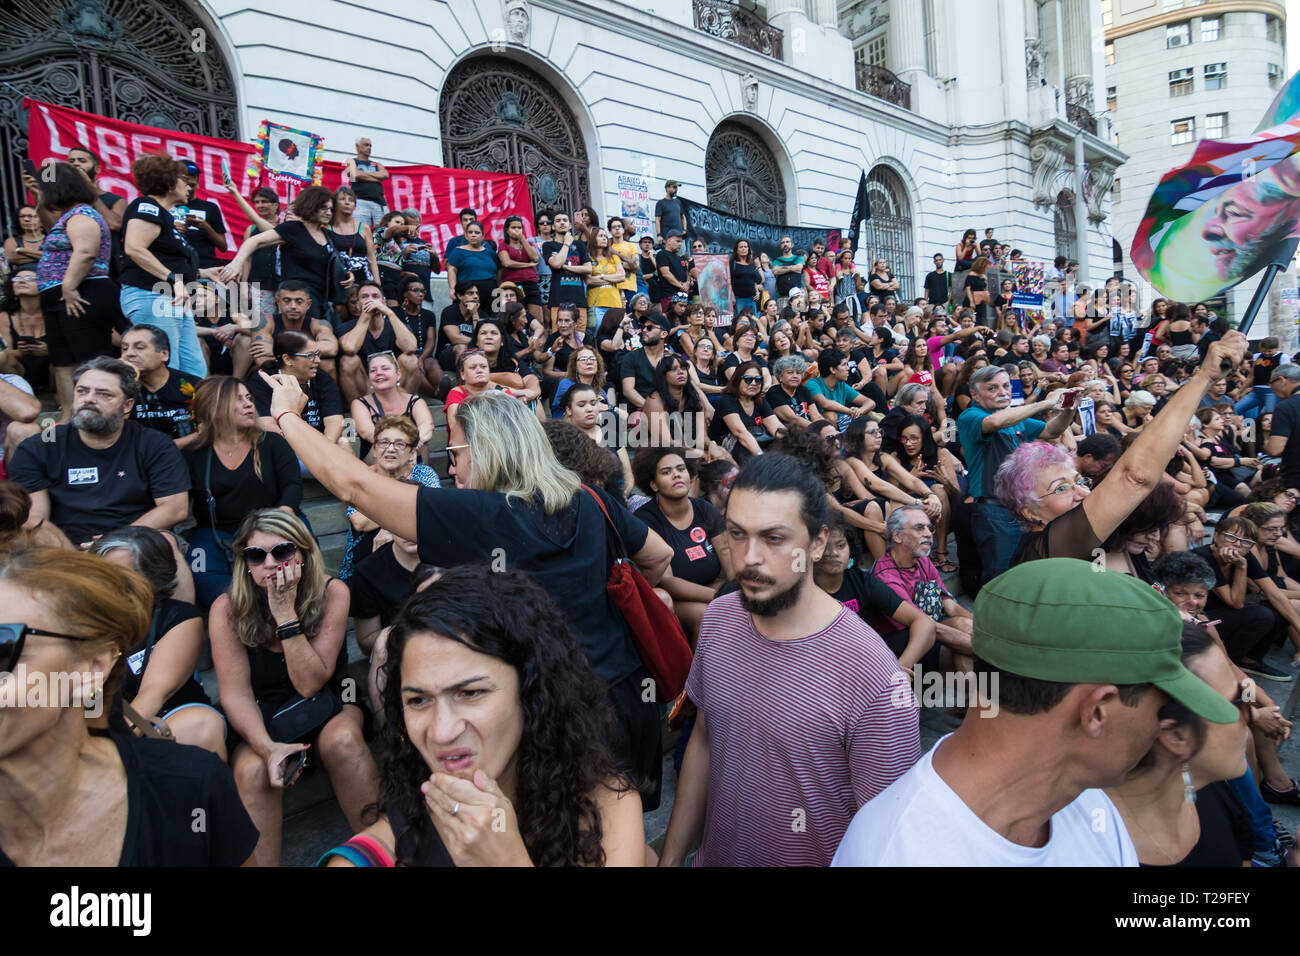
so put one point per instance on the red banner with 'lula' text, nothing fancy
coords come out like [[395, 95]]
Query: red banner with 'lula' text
[[437, 193]]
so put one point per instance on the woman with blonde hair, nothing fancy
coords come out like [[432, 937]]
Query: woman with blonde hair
[[280, 656], [514, 501], [388, 398], [76, 794], [235, 468]]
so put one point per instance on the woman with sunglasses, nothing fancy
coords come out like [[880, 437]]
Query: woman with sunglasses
[[387, 398], [235, 467], [1176, 804], [159, 682], [521, 774], [278, 639], [397, 441], [72, 792], [743, 422]]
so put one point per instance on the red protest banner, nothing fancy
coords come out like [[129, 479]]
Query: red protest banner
[[436, 192]]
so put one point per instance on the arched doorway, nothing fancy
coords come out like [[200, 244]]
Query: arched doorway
[[742, 176], [78, 53], [500, 116], [889, 230], [1063, 231]]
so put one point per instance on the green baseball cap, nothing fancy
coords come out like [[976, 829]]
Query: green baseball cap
[[1064, 620]]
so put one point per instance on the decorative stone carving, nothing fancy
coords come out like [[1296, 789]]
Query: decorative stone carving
[[1048, 158], [517, 21], [1078, 92], [1097, 187], [1035, 60], [749, 91]]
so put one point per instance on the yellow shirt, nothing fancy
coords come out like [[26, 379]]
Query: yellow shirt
[[604, 296], [629, 251]]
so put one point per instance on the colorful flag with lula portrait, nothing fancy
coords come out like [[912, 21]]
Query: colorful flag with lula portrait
[[1218, 219]]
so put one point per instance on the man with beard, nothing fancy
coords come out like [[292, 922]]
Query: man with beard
[[796, 728], [638, 367], [102, 472]]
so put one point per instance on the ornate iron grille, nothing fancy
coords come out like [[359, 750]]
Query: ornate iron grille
[[729, 21], [499, 116], [742, 176], [881, 83], [890, 228], [142, 61]]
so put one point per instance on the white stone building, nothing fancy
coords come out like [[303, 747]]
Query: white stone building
[[966, 113], [1177, 72]]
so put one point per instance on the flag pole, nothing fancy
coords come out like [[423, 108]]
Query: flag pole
[[1282, 257]]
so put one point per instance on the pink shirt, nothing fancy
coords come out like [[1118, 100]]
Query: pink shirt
[[902, 581], [801, 734]]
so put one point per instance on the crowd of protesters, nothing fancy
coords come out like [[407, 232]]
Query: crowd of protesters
[[840, 488]]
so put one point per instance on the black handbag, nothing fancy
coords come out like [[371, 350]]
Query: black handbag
[[302, 716], [225, 541], [336, 273]]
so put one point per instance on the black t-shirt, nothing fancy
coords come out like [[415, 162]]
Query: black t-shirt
[[169, 410], [567, 288], [678, 263], [745, 280], [733, 360], [168, 614], [637, 366], [450, 318], [937, 286], [209, 212], [565, 553], [304, 259], [240, 491], [728, 405], [323, 399], [1227, 839], [168, 248], [651, 275], [380, 586], [170, 787], [1286, 422], [93, 490], [669, 213], [693, 557], [419, 324], [1254, 572], [976, 283], [801, 402], [562, 353], [869, 598], [371, 344]]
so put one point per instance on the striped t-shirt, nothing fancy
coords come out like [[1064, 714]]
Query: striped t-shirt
[[801, 734]]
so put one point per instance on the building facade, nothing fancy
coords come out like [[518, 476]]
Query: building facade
[[1177, 72], [965, 115]]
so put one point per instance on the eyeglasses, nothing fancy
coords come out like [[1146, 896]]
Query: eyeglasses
[[752, 379], [1235, 539], [314, 356], [1293, 495], [14, 636], [1062, 490], [394, 443], [279, 553], [451, 453]]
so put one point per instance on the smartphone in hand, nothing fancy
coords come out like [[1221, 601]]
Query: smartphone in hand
[[292, 766]]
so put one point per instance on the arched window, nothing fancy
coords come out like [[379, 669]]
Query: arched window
[[1064, 236], [742, 176], [500, 116], [889, 230], [76, 53]]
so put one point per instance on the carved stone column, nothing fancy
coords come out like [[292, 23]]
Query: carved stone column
[[905, 43], [1078, 53], [824, 13]]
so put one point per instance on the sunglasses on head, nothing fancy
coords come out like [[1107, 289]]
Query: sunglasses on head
[[14, 636], [279, 553]]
